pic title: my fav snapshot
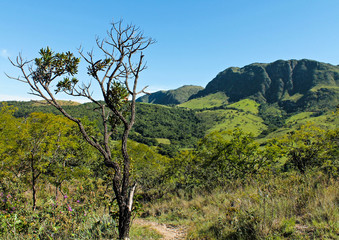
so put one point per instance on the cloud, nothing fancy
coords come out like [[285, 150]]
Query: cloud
[[4, 97], [4, 53]]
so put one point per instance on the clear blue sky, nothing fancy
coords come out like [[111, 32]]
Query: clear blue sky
[[196, 39]]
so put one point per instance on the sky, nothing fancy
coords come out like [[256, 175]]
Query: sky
[[195, 39]]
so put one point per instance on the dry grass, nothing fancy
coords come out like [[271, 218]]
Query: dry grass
[[285, 207]]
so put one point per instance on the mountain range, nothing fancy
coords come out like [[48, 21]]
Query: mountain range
[[295, 85]]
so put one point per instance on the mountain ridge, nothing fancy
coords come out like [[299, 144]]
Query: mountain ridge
[[171, 97], [276, 82]]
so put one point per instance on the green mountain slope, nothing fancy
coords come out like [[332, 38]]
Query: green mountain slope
[[169, 97], [294, 85], [242, 116], [210, 101]]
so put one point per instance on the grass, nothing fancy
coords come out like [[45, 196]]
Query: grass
[[294, 97], [163, 141], [246, 105], [144, 232], [325, 121], [319, 86], [228, 119], [212, 100], [329, 120], [286, 207]]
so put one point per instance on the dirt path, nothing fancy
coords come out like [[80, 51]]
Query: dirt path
[[168, 232]]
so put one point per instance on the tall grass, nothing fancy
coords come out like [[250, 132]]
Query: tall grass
[[290, 206]]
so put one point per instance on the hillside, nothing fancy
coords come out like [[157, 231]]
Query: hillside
[[296, 85], [171, 97], [266, 100], [154, 125]]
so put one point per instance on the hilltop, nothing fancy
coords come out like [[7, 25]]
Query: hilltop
[[171, 97]]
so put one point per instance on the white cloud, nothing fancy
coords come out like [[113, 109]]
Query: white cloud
[[4, 53], [4, 97]]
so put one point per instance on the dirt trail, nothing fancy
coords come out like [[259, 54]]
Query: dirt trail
[[169, 232]]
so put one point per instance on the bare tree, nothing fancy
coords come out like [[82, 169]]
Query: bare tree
[[117, 75]]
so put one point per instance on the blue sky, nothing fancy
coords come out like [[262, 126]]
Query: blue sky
[[196, 39]]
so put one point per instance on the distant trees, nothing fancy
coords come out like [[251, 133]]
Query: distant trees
[[116, 74]]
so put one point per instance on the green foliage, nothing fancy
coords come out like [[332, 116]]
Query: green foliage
[[52, 65], [221, 157], [312, 147], [180, 126]]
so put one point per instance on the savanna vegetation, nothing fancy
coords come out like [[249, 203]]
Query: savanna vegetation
[[55, 186]]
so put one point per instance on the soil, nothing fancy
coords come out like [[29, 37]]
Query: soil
[[168, 232]]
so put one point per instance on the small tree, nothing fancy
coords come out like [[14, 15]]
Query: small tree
[[311, 147], [117, 75]]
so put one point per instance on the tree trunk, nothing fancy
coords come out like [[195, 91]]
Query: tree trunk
[[124, 222], [125, 214]]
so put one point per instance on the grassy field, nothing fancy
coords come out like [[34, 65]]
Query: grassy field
[[285, 207], [242, 114], [246, 105], [213, 100], [163, 141]]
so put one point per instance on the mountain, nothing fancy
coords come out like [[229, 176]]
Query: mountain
[[175, 96], [295, 85]]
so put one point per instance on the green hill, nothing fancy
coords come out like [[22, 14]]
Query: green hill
[[171, 97]]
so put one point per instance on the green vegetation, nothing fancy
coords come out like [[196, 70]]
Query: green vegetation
[[220, 120], [289, 206], [246, 105], [230, 188], [227, 187], [249, 168], [212, 100]]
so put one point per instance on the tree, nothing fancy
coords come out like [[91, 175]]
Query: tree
[[121, 65], [311, 147], [47, 144], [10, 131]]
